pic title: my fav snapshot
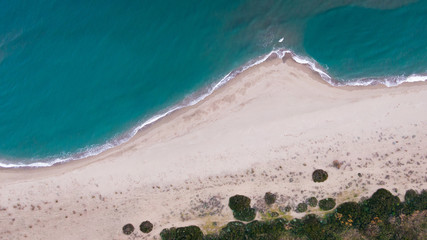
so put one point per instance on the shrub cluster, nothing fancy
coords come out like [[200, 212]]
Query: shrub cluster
[[379, 217], [182, 233], [241, 206]]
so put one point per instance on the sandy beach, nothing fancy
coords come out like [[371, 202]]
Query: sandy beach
[[266, 130]]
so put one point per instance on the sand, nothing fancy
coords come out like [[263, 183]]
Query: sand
[[266, 130]]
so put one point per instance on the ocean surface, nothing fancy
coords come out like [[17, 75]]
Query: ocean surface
[[79, 77]]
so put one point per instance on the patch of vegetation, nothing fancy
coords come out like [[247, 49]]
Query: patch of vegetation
[[319, 175], [246, 215], [301, 207], [327, 204], [241, 206], [182, 233], [239, 202], [382, 216], [312, 202], [128, 229], [146, 227], [270, 198]]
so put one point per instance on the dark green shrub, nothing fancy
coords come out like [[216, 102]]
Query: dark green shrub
[[189, 233], [168, 234], [313, 228], [327, 204], [312, 202], [319, 175], [255, 228], [233, 230], [128, 229], [410, 195], [302, 207], [278, 225], [146, 227], [382, 204], [415, 201], [212, 237], [246, 215], [346, 215], [296, 227], [270, 198], [239, 202]]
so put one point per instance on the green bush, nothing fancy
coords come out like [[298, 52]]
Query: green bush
[[278, 225], [246, 215], [239, 202], [319, 175], [327, 204], [312, 228], [302, 207], [168, 234], [128, 229], [233, 230], [270, 198], [414, 201], [345, 216], [382, 204], [312, 202], [265, 229], [189, 233], [146, 227]]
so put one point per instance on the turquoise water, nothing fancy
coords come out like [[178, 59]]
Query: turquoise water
[[77, 77]]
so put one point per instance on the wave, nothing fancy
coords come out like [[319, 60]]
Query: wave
[[196, 97]]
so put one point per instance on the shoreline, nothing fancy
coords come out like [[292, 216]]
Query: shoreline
[[283, 54], [266, 130]]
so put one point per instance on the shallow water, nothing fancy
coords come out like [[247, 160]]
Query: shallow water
[[79, 76]]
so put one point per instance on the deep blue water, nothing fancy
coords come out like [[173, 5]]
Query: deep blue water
[[79, 74]]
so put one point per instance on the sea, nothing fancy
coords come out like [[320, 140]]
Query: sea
[[79, 77]]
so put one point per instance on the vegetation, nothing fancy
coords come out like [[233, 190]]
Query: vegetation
[[270, 198], [301, 207], [182, 233], [327, 204], [146, 227], [319, 175], [241, 206], [312, 202], [239, 202], [128, 229], [382, 216]]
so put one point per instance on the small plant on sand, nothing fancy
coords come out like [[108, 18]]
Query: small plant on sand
[[327, 204], [319, 175], [270, 198], [302, 207], [128, 229], [146, 227], [312, 202], [239, 202]]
